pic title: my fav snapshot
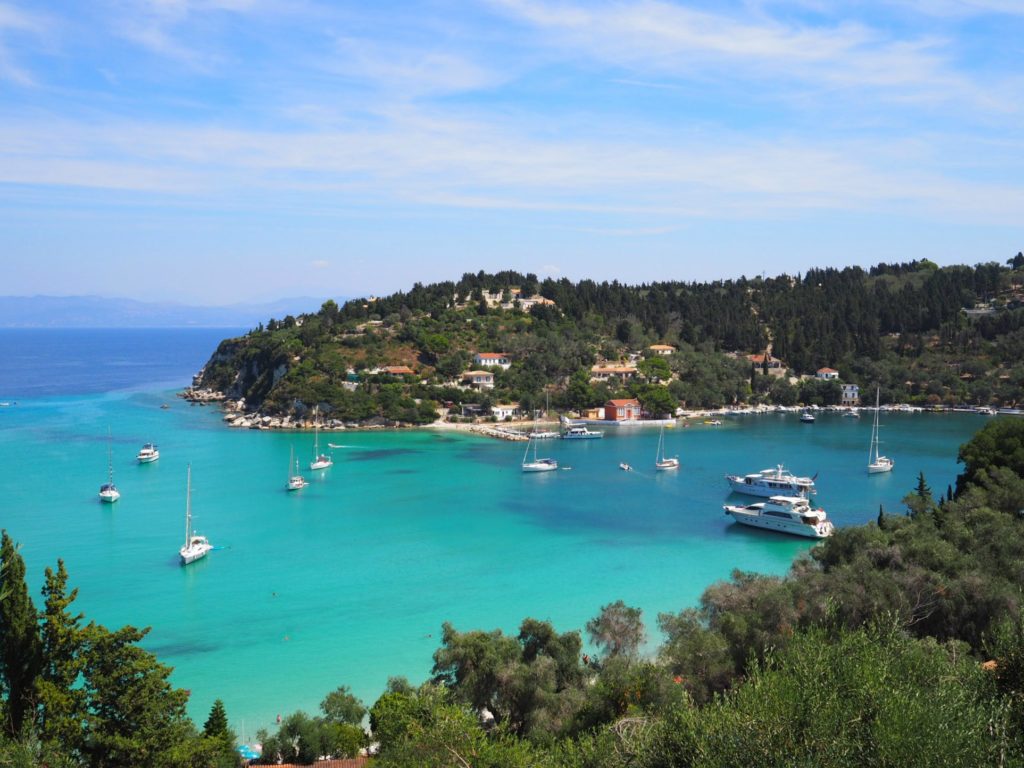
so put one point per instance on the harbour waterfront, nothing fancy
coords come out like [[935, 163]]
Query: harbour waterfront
[[349, 580]]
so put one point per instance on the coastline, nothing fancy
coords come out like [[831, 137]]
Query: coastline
[[237, 417]]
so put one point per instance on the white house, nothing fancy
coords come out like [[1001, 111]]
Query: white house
[[851, 394], [489, 359], [505, 411], [478, 379], [827, 374], [664, 350]]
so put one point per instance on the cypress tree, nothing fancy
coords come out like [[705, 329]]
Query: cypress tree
[[19, 640], [63, 705]]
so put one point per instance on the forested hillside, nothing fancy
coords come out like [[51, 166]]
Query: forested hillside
[[926, 335]]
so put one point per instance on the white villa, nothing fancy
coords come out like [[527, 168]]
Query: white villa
[[478, 379], [851, 395], [489, 359]]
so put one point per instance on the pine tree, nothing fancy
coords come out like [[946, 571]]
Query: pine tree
[[62, 703], [19, 640], [217, 723]]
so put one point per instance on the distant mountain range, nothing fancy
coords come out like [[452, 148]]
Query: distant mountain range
[[102, 312]]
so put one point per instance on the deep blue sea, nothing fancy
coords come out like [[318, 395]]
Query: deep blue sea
[[349, 581]]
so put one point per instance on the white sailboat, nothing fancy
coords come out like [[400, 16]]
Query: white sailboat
[[295, 481], [876, 462], [108, 491], [195, 546], [320, 460], [537, 465], [660, 460]]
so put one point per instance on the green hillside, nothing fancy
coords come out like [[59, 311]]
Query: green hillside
[[926, 335]]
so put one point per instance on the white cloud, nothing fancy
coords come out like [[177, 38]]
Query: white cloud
[[425, 161], [661, 39], [320, 264]]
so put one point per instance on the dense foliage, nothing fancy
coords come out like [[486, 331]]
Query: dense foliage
[[902, 327]]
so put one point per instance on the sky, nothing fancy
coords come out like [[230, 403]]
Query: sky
[[222, 151]]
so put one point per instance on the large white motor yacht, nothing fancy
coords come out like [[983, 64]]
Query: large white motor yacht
[[771, 482], [786, 514]]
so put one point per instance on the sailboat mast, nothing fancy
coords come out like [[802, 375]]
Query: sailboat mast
[[188, 505], [110, 459]]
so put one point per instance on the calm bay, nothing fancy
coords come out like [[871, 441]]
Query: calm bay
[[349, 580]]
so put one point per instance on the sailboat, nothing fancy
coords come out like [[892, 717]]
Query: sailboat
[[321, 460], [876, 462], [296, 481], [660, 460], [537, 465], [108, 491], [195, 546]]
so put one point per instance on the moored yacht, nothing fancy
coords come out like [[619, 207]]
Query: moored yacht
[[148, 453], [786, 514], [535, 464], [807, 417], [108, 491], [320, 460], [195, 546], [296, 481], [771, 482], [580, 432]]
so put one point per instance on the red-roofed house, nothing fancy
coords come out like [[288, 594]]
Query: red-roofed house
[[775, 367], [622, 410], [662, 349], [827, 374], [499, 359], [398, 370], [608, 371]]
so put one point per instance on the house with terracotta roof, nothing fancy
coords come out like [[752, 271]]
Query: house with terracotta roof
[[478, 379], [622, 410], [827, 374], [662, 349], [398, 370], [488, 359], [774, 366], [607, 371]]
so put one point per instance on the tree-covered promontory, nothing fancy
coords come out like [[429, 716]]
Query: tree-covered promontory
[[926, 335]]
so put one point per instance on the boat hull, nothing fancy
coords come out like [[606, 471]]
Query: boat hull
[[109, 497], [667, 464], [320, 464], [540, 466], [881, 465], [739, 485], [190, 557], [754, 520]]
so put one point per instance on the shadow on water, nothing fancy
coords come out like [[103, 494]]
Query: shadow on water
[[182, 649], [381, 454]]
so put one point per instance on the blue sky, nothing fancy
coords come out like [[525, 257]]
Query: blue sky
[[217, 151]]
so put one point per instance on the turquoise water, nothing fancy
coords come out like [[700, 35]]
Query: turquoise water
[[349, 580]]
